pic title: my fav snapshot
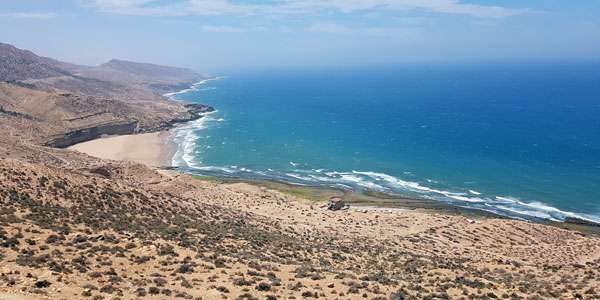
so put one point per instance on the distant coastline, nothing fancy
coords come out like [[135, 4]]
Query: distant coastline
[[191, 88]]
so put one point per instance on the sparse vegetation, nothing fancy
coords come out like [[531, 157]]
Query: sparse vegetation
[[130, 239]]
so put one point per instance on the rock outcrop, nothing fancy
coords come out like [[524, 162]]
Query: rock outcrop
[[86, 134]]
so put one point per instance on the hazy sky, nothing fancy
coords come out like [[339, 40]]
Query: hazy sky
[[217, 35]]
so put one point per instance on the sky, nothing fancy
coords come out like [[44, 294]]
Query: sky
[[220, 35]]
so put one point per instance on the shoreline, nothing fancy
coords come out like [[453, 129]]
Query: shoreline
[[157, 149], [371, 200]]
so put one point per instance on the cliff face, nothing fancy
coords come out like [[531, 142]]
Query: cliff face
[[86, 134], [118, 127]]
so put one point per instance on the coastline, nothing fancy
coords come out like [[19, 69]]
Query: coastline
[[376, 201], [158, 149], [191, 88]]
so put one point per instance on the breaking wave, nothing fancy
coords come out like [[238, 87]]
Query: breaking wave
[[194, 87], [185, 137], [189, 159]]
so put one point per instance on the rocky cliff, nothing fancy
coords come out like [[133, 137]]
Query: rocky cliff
[[119, 127], [60, 119]]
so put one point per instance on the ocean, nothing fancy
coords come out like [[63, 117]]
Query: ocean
[[521, 140]]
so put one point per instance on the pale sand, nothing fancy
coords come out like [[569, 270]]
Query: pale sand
[[152, 149], [13, 297]]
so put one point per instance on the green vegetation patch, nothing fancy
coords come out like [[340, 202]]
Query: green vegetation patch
[[290, 190], [206, 178]]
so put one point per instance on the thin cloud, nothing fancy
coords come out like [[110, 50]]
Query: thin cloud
[[140, 7], [224, 7], [260, 29], [30, 15], [329, 28], [225, 29], [286, 29]]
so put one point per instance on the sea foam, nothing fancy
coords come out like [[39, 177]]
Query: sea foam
[[194, 87]]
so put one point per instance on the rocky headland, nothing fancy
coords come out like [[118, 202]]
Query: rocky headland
[[38, 107]]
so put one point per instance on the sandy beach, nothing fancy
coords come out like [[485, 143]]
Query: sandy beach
[[152, 149]]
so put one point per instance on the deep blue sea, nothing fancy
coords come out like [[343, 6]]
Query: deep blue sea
[[516, 139]]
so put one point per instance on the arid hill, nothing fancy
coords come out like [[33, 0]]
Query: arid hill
[[17, 64], [166, 79], [77, 227]]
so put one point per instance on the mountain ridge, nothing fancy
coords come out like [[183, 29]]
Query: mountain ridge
[[120, 79]]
